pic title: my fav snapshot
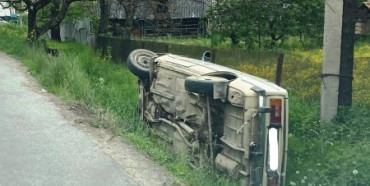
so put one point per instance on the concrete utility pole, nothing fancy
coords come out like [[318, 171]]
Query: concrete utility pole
[[337, 67]]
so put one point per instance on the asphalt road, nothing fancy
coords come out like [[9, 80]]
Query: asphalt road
[[39, 147]]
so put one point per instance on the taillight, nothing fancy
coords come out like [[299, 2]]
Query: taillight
[[273, 144], [276, 111]]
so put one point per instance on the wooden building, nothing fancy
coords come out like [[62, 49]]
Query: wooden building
[[7, 13], [363, 19], [166, 17]]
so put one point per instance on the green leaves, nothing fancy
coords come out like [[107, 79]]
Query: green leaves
[[265, 24]]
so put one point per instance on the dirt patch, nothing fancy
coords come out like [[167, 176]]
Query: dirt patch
[[137, 165]]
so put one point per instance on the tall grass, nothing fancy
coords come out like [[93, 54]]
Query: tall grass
[[334, 155]]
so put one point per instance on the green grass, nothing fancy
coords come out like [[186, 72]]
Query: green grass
[[328, 155], [317, 155]]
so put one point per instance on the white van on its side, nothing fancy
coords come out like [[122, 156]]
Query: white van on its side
[[213, 114]]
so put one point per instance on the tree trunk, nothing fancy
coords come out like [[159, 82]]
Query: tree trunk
[[56, 20], [103, 26], [54, 10], [104, 17], [31, 35], [130, 19], [34, 6], [55, 33], [259, 40], [234, 39]]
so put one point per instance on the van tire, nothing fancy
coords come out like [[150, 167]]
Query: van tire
[[138, 62], [205, 85]]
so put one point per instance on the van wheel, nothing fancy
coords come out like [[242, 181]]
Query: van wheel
[[138, 62], [216, 87]]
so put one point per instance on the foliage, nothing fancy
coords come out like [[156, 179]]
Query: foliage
[[264, 24], [77, 10], [43, 15], [82, 10], [36, 27], [9, 31]]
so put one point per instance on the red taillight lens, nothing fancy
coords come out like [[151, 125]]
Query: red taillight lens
[[276, 110]]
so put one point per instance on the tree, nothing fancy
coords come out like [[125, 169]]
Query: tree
[[309, 17], [55, 31], [130, 7], [33, 6], [104, 16], [266, 22], [225, 18], [103, 26]]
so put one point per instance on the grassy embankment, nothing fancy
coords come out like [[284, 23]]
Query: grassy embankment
[[334, 155]]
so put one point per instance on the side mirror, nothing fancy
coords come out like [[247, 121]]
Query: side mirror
[[207, 56]]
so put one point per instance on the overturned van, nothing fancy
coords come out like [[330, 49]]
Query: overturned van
[[215, 115]]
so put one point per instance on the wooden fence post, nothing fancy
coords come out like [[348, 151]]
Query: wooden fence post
[[279, 69], [213, 55]]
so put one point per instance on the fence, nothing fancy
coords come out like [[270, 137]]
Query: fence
[[80, 31], [120, 49]]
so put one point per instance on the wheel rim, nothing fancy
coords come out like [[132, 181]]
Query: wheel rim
[[143, 61]]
